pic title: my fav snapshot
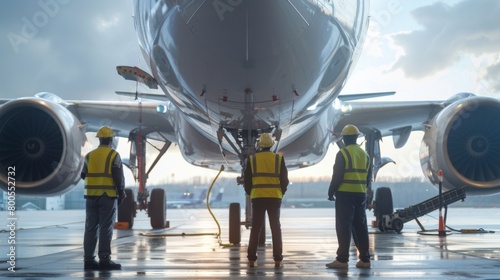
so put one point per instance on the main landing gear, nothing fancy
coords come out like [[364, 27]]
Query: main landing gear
[[156, 207], [383, 203], [383, 206]]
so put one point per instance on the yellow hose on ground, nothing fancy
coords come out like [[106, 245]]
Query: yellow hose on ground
[[210, 210], [211, 213]]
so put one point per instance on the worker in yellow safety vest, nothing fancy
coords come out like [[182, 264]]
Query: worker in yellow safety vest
[[351, 175], [104, 185], [266, 181]]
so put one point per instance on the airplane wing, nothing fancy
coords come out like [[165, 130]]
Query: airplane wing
[[396, 119], [126, 116], [157, 118], [459, 136], [379, 116], [42, 136]]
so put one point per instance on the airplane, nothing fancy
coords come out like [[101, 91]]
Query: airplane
[[187, 200], [231, 70]]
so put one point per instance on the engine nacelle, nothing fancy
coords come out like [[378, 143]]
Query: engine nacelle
[[40, 147], [463, 140]]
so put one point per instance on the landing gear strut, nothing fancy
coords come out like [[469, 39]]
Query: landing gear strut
[[383, 203], [156, 207]]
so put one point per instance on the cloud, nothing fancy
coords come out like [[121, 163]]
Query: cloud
[[448, 34], [105, 24], [492, 74], [70, 48]]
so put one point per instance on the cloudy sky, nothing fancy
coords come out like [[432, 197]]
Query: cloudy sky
[[423, 50], [68, 47], [431, 49]]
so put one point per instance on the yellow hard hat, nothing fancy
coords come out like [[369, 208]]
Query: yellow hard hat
[[350, 130], [266, 140], [105, 132]]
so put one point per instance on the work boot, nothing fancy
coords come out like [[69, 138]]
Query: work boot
[[89, 265], [109, 265], [361, 264], [251, 263], [337, 264], [278, 263]]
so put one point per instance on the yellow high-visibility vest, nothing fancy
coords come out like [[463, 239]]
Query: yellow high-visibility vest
[[99, 179], [266, 167], [356, 169]]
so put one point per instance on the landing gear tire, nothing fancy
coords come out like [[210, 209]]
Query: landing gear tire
[[383, 206], [126, 211], [157, 209], [234, 223]]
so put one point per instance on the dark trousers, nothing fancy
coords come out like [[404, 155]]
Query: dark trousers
[[259, 208], [350, 216], [100, 212]]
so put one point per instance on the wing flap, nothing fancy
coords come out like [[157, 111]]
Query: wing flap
[[389, 118]]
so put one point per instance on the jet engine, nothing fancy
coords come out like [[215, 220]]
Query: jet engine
[[40, 147], [463, 140]]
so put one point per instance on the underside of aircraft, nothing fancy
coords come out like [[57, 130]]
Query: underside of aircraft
[[230, 71]]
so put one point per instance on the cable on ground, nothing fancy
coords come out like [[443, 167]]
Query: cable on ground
[[218, 234]]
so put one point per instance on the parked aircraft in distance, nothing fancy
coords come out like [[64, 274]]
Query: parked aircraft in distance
[[231, 70], [188, 200]]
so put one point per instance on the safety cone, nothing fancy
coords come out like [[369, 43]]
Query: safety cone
[[441, 231]]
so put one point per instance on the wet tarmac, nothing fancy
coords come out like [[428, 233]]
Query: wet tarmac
[[48, 244]]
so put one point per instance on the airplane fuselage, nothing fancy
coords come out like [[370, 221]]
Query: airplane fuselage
[[251, 65]]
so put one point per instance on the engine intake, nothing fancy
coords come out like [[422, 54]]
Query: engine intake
[[40, 140], [464, 141]]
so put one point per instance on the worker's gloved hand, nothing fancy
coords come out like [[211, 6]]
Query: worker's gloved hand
[[121, 197], [331, 198]]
